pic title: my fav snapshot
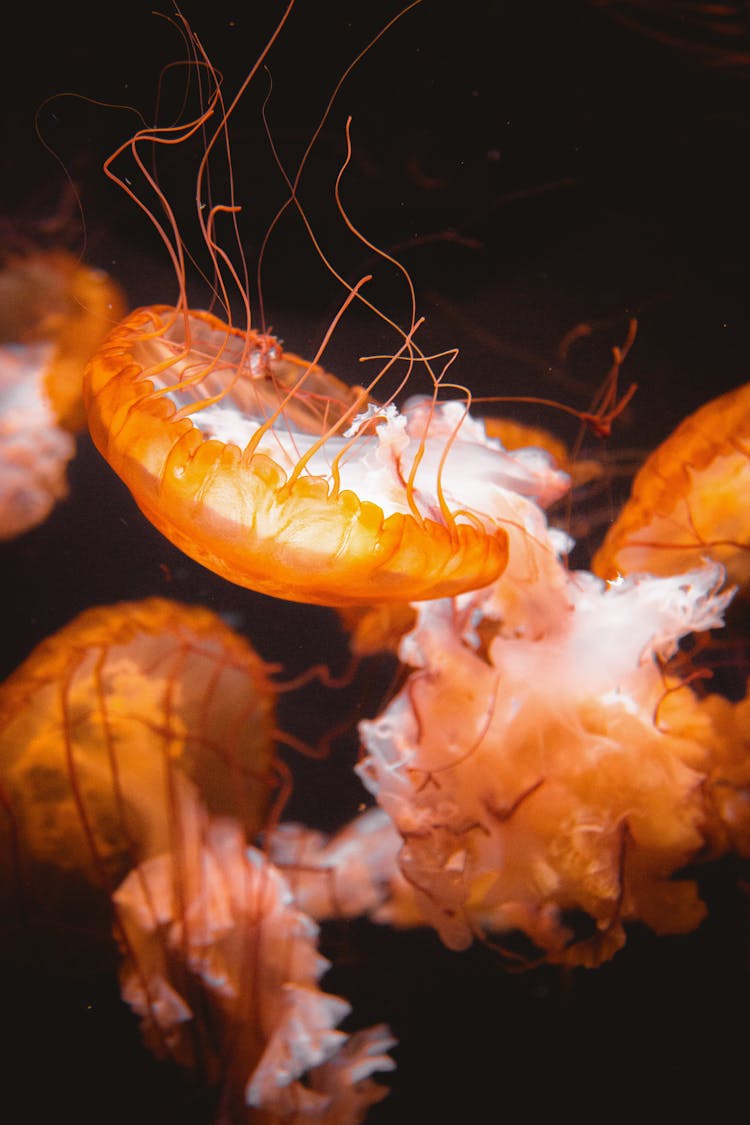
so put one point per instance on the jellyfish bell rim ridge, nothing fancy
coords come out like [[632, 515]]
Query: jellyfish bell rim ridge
[[297, 537]]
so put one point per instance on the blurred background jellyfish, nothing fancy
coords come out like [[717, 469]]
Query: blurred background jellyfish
[[688, 502], [136, 759], [223, 970], [54, 313], [108, 731], [715, 36]]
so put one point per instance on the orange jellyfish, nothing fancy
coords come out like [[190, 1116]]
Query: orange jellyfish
[[107, 732], [270, 471], [233, 451], [688, 501], [54, 313], [136, 757]]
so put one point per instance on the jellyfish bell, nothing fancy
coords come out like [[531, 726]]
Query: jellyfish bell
[[687, 502], [54, 313], [201, 426], [108, 731]]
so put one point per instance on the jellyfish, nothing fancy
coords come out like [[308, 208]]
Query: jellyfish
[[271, 473], [546, 770], [108, 731], [551, 782], [222, 968], [54, 313], [269, 470], [687, 501], [136, 759]]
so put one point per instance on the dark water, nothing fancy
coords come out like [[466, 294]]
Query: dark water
[[538, 167]]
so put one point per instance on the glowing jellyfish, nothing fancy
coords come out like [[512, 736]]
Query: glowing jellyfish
[[265, 468], [54, 313], [108, 731], [274, 475], [550, 781], [223, 970], [688, 501]]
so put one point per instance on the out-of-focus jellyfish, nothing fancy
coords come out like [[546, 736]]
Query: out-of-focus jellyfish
[[54, 313], [551, 779], [107, 731], [713, 35], [223, 970], [688, 501], [136, 760]]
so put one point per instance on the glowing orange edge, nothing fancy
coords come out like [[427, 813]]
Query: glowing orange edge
[[230, 510]]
